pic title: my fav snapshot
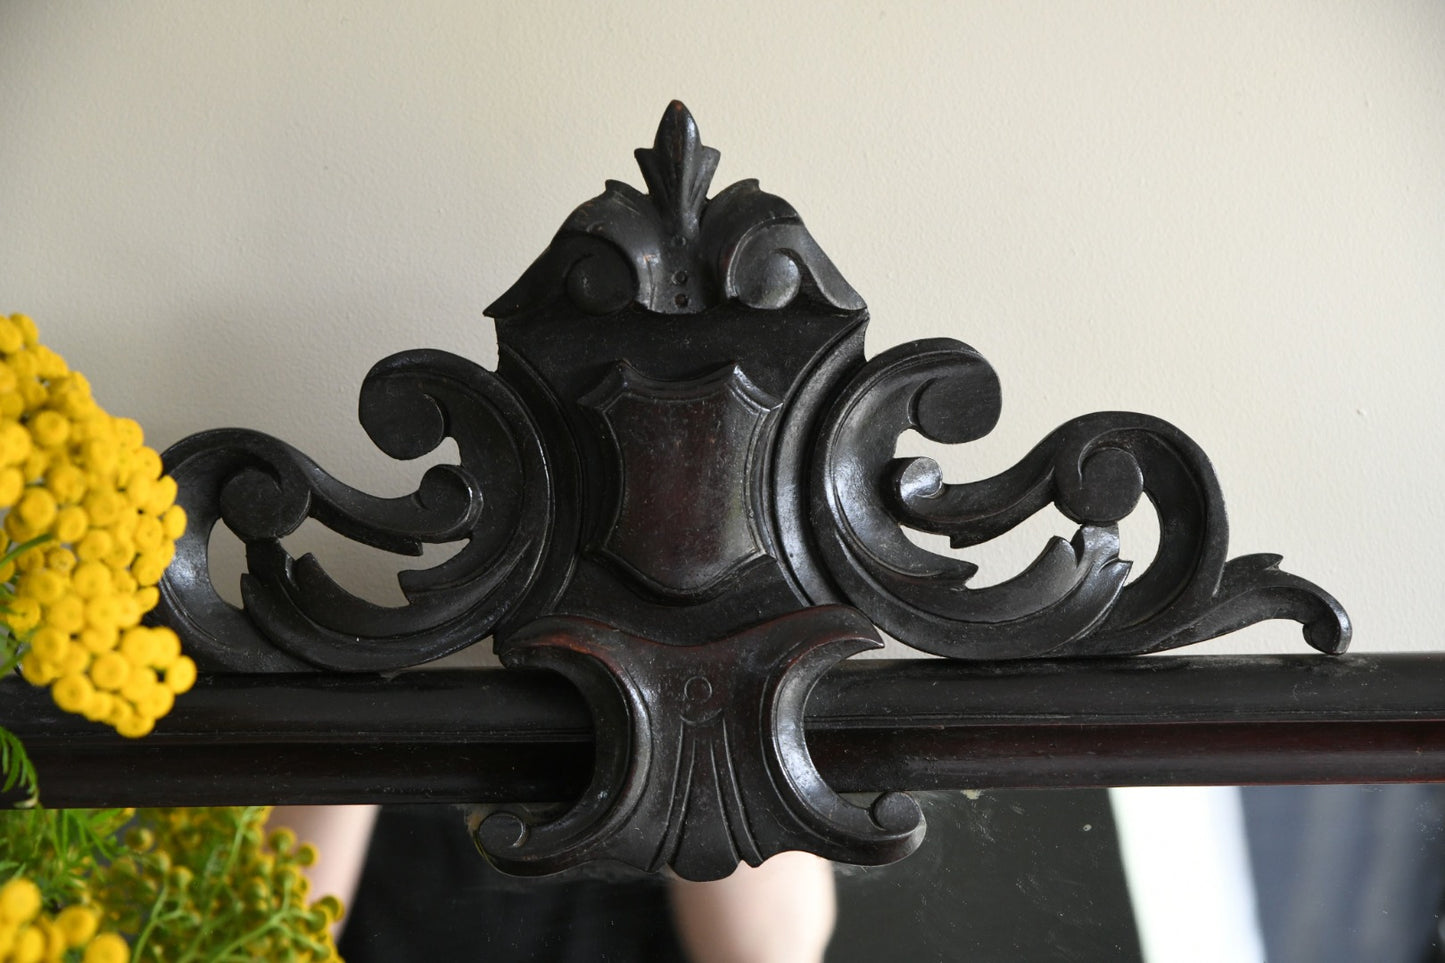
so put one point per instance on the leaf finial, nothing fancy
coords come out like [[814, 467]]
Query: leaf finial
[[678, 169]]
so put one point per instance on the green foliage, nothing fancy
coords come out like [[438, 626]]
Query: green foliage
[[12, 646], [16, 769], [11, 649], [15, 766], [183, 885], [58, 849]]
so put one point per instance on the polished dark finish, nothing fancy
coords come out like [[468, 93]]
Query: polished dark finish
[[683, 465], [687, 776], [674, 250], [499, 736], [679, 492], [1072, 600], [684, 549], [498, 498]]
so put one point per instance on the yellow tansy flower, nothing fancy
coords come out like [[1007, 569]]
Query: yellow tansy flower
[[49, 429], [107, 948], [84, 485], [109, 671], [77, 924], [98, 639], [29, 946], [181, 675], [96, 544], [90, 579], [71, 523], [36, 671], [12, 486], [49, 644], [72, 692], [45, 586], [66, 613], [11, 340], [24, 614], [15, 443], [19, 900], [61, 561]]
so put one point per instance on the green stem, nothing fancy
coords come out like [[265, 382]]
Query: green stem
[[216, 879], [272, 922], [152, 918], [18, 770]]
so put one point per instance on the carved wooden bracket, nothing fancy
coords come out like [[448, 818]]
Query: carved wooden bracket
[[678, 490]]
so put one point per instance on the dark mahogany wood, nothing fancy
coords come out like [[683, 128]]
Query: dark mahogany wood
[[705, 763], [682, 533], [494, 737], [678, 491]]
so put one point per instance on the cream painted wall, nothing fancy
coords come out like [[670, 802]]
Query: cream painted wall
[[1228, 215]]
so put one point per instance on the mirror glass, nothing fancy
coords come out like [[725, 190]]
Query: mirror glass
[[1169, 875]]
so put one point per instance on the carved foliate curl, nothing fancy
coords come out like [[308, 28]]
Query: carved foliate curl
[[1072, 600], [496, 499], [675, 251]]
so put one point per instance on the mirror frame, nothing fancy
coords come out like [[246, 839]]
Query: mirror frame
[[681, 513]]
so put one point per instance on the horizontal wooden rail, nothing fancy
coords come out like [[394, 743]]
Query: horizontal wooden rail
[[487, 736]]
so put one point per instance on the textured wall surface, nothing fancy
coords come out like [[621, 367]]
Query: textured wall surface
[[1228, 215]]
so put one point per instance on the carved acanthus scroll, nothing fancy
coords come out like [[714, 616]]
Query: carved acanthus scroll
[[1072, 600], [497, 499]]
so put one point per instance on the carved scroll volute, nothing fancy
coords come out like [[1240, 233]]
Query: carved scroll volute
[[497, 500], [949, 393], [1072, 600]]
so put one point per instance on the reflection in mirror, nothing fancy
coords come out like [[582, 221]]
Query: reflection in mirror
[[1018, 875], [1325, 874], [1347, 873]]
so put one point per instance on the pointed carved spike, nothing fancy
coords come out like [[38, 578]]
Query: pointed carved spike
[[678, 169], [677, 129]]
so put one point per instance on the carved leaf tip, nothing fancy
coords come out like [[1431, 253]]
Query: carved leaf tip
[[678, 169]]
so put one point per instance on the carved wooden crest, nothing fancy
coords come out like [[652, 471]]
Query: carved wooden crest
[[679, 491]]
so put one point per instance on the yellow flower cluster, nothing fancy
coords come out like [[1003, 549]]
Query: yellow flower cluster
[[30, 935], [217, 886], [91, 524], [180, 886]]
